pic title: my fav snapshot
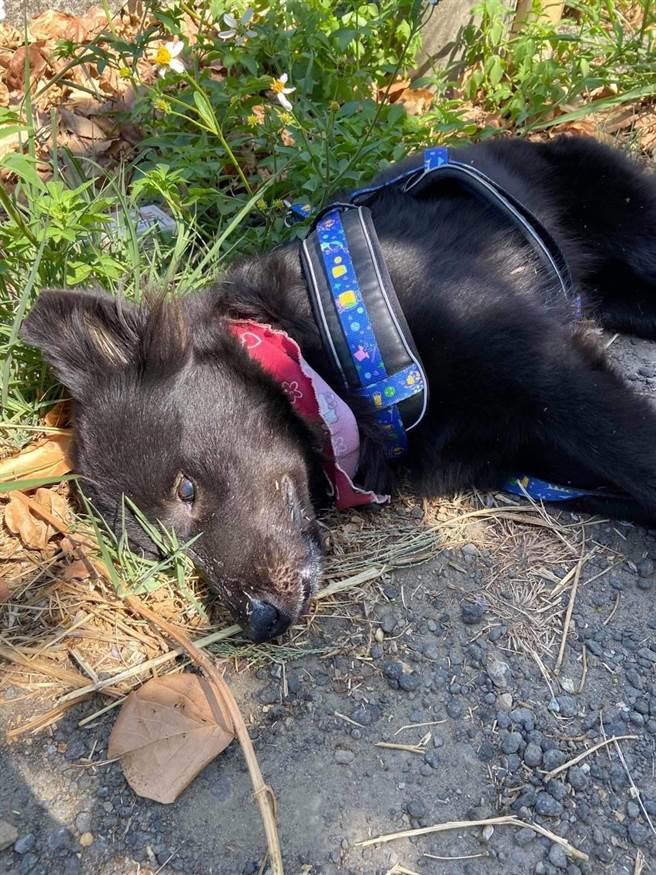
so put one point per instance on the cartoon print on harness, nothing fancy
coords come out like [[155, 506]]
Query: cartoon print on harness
[[167, 392]]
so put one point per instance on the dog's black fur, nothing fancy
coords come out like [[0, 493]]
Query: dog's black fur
[[516, 384]]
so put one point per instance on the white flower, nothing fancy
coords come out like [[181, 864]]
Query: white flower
[[238, 28], [167, 58], [278, 88]]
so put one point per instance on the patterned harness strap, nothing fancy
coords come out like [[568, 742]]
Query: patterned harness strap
[[351, 291]]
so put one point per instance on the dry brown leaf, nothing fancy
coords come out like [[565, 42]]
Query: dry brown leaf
[[5, 591], [49, 458], [59, 416], [97, 128], [167, 732], [14, 77], [34, 533], [394, 91], [54, 25], [416, 101]]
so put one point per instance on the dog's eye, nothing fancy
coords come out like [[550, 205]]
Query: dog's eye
[[186, 489]]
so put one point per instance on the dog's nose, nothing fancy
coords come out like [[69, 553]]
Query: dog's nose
[[266, 621]]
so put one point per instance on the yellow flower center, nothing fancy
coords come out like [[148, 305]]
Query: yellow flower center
[[163, 56], [124, 73], [278, 86]]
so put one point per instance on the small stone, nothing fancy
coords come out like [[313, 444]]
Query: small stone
[[547, 806], [388, 622], [416, 808], [498, 672], [25, 843], [83, 822], [557, 856], [379, 635], [344, 757], [577, 778], [638, 832], [553, 758], [455, 709], [646, 568], [533, 754], [504, 701], [28, 863], [568, 706], [486, 752], [524, 836], [86, 839], [393, 670], [8, 834], [472, 613], [487, 833], [632, 809], [409, 682], [511, 742]]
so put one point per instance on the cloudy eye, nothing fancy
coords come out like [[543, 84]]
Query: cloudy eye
[[186, 490]]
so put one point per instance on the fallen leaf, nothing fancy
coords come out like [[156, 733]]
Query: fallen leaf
[[167, 732], [416, 101], [91, 129], [14, 77], [394, 91], [59, 416], [5, 591], [48, 458], [54, 25], [23, 521], [34, 533]]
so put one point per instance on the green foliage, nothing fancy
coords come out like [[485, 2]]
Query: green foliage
[[526, 76]]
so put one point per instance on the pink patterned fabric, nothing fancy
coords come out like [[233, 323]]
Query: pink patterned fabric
[[313, 399]]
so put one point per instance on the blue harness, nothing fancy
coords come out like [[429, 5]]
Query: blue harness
[[382, 365]]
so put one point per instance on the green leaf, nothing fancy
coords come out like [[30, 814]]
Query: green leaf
[[23, 167]]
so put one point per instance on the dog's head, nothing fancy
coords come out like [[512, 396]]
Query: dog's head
[[173, 414]]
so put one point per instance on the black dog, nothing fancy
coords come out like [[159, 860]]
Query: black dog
[[171, 412]]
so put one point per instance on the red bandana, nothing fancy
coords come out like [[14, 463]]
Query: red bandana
[[314, 400]]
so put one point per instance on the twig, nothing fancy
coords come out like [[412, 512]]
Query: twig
[[508, 820], [459, 857], [612, 613], [584, 674], [570, 608], [586, 753], [635, 792], [417, 725], [639, 863], [349, 720], [409, 748], [262, 792]]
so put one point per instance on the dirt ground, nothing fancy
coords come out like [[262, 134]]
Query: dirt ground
[[438, 656]]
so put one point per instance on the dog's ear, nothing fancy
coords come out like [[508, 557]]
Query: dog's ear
[[84, 334]]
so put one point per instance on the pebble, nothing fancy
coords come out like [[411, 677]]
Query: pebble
[[455, 709], [25, 843], [638, 832], [472, 613], [553, 758], [498, 672], [409, 682], [557, 856], [524, 836], [511, 742], [388, 622], [504, 701], [416, 808], [86, 839], [646, 567], [83, 822], [577, 778], [344, 757], [533, 755], [546, 805], [8, 834]]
